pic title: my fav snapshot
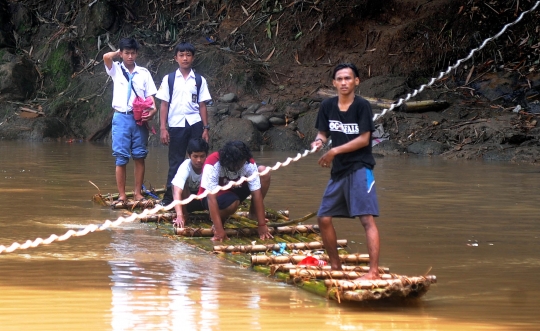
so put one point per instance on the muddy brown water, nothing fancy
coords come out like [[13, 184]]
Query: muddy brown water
[[476, 226]]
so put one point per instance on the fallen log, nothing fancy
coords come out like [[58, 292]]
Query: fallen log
[[408, 107], [274, 247], [295, 259], [246, 232]]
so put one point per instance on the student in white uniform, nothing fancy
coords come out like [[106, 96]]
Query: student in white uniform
[[128, 138], [183, 94], [188, 180]]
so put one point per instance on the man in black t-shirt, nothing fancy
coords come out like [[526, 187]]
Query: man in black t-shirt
[[347, 119]]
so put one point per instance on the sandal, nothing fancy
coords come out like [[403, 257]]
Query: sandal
[[120, 202]]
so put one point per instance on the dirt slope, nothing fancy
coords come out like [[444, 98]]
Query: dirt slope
[[282, 51]]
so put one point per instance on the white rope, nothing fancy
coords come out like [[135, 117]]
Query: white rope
[[458, 62], [146, 212]]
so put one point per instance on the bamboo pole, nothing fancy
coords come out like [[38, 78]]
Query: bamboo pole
[[400, 281], [274, 247], [295, 259], [295, 221], [171, 215], [346, 268], [132, 204], [113, 196], [363, 295], [331, 274], [269, 213], [246, 232]]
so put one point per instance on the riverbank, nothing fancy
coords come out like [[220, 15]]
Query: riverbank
[[266, 63]]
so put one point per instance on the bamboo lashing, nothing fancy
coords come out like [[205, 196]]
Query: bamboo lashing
[[108, 197], [295, 259], [247, 232], [286, 267], [132, 204], [270, 214], [331, 274], [399, 281], [274, 247]]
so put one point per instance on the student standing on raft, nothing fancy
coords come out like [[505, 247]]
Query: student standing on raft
[[128, 138], [350, 192], [183, 94]]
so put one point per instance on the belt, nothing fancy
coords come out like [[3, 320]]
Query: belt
[[124, 112]]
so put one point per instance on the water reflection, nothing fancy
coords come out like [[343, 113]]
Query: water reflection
[[133, 278]]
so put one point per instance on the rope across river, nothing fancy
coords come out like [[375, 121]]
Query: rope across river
[[107, 224]]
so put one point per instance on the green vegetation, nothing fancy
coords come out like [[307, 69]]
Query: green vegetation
[[57, 70]]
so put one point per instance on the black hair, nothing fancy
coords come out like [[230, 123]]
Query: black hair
[[197, 145], [232, 153], [344, 66], [184, 47], [128, 43]]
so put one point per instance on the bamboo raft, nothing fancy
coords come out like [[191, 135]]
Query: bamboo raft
[[279, 257]]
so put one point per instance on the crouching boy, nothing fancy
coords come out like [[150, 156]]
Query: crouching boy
[[188, 180], [233, 161]]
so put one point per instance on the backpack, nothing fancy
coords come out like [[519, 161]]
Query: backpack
[[198, 83]]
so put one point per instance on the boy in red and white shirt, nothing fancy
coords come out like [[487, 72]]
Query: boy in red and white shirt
[[233, 161]]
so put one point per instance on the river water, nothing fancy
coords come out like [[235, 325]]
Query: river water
[[474, 225]]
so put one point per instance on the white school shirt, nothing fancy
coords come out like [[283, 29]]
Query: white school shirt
[[214, 174], [182, 108], [142, 81], [185, 174]]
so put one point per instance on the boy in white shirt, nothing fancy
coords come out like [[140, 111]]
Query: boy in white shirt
[[183, 94], [188, 179], [128, 138]]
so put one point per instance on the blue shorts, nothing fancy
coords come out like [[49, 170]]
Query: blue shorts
[[351, 196], [227, 198], [128, 138]]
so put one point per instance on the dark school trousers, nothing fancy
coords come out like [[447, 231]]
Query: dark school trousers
[[179, 137]]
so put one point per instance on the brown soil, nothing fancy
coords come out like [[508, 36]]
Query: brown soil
[[283, 51], [399, 45]]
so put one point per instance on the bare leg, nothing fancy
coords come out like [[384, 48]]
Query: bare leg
[[328, 234], [225, 213], [265, 186], [223, 216], [372, 239], [185, 194], [139, 177], [265, 181], [121, 182]]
